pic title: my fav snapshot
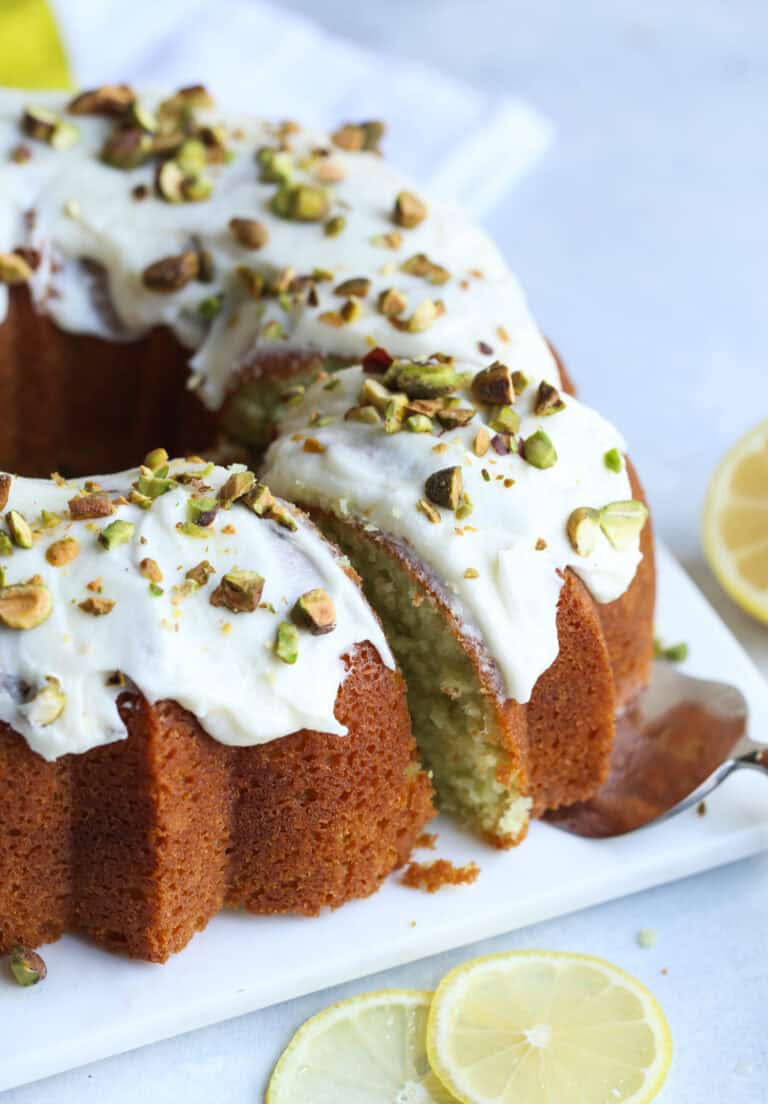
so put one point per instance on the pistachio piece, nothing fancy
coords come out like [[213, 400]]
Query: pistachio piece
[[47, 705], [108, 99], [519, 381], [14, 269], [501, 443], [171, 273], [420, 265], [300, 202], [358, 137], [25, 605], [367, 414], [43, 125], [423, 379], [419, 423], [548, 400], [239, 591], [248, 232], [5, 489], [210, 307], [409, 211], [504, 419], [49, 520], [359, 286], [237, 485], [202, 510], [155, 459], [465, 507], [445, 487], [27, 966], [429, 511], [152, 486], [169, 182], [539, 451], [260, 500], [275, 165], [6, 545], [315, 610], [393, 239], [115, 534], [373, 393], [482, 442], [97, 607], [612, 460], [673, 653], [394, 413], [583, 526], [150, 569], [127, 148], [283, 517], [334, 226], [494, 385], [19, 529], [287, 642], [200, 573], [391, 302], [89, 506], [453, 417], [425, 315], [622, 522], [62, 552]]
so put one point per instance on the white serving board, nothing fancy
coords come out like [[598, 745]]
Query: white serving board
[[93, 1004]]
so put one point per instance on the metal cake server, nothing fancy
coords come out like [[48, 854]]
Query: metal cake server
[[675, 744]]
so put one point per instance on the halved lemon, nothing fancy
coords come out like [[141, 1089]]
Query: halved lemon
[[534, 1027], [370, 1049], [736, 522]]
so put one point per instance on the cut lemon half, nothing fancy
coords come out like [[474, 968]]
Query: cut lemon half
[[371, 1049], [736, 522], [536, 1027]]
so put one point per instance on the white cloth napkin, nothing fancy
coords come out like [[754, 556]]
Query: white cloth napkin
[[462, 144]]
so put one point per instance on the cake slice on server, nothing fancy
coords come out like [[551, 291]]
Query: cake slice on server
[[502, 537]]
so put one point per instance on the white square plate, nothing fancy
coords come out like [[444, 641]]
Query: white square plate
[[94, 1004]]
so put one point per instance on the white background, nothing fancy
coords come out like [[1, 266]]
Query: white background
[[641, 239]]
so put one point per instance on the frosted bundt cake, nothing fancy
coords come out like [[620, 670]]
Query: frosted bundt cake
[[197, 709]]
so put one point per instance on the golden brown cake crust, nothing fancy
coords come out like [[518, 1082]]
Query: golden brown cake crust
[[138, 843]]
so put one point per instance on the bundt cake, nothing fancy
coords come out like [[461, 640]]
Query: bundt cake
[[172, 275], [197, 709]]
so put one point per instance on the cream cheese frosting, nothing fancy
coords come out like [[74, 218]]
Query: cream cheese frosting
[[83, 209], [502, 563], [166, 637]]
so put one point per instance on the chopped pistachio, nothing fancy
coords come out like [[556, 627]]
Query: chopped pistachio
[[300, 202], [27, 966], [116, 533], [155, 459], [294, 395], [150, 569], [501, 443], [97, 607], [155, 590], [172, 273], [612, 460], [465, 507], [276, 166], [445, 487], [210, 307], [394, 413], [14, 269], [358, 137], [48, 704], [260, 500], [392, 302], [21, 154], [169, 181], [359, 286], [373, 393], [419, 423], [423, 379], [90, 506], [250, 233], [646, 938], [519, 381], [287, 642], [425, 315], [539, 451], [673, 653], [391, 240], [504, 419], [334, 226], [420, 265], [283, 517], [548, 400], [273, 330], [40, 123], [367, 414], [315, 610], [494, 385], [127, 148], [622, 522], [237, 485], [200, 573], [25, 605], [62, 552], [152, 486], [482, 442], [49, 520], [428, 510], [108, 99], [582, 527], [455, 417], [202, 510], [409, 211], [19, 529], [6, 545], [239, 591]]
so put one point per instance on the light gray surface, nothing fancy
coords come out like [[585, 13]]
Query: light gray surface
[[642, 243]]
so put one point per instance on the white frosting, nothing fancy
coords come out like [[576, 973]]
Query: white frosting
[[218, 664], [379, 478], [124, 235]]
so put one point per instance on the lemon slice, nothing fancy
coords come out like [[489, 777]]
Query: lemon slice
[[536, 1027], [736, 522], [371, 1049]]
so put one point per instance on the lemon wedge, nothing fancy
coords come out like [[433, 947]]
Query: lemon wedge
[[533, 1027], [736, 522], [370, 1049]]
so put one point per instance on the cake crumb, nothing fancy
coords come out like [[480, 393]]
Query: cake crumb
[[435, 875], [427, 840]]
